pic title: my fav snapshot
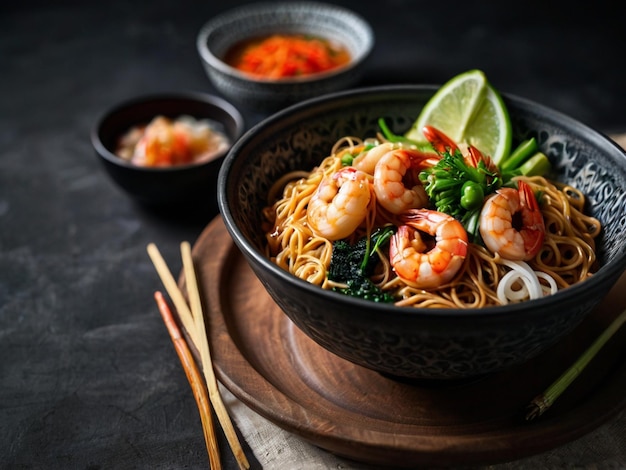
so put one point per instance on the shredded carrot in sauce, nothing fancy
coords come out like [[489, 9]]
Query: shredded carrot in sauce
[[283, 56]]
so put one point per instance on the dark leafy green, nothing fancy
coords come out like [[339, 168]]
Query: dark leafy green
[[353, 264]]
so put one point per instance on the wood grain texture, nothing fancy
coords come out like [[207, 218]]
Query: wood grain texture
[[272, 367]]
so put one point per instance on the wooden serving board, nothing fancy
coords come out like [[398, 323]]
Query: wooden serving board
[[272, 367]]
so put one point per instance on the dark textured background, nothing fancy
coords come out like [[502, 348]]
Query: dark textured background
[[88, 376]]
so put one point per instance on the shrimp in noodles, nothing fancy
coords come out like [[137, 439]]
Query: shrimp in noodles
[[367, 161], [340, 204], [396, 183], [408, 250], [499, 226]]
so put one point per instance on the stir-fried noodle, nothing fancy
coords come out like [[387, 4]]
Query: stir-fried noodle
[[566, 257]]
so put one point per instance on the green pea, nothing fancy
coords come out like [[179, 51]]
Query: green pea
[[472, 195]]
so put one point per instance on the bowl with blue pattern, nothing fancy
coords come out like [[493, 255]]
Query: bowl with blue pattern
[[310, 19], [422, 343]]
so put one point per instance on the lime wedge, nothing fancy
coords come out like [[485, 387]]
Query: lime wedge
[[468, 110], [490, 129], [452, 107]]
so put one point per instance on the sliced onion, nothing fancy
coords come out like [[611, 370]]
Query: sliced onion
[[531, 288], [505, 292], [550, 280]]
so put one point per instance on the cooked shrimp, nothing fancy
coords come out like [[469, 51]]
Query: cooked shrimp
[[396, 182], [367, 160], [511, 223], [408, 249], [340, 204]]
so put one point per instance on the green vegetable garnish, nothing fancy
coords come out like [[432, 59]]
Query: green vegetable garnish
[[521, 153], [353, 264], [472, 195], [458, 189], [346, 159], [546, 399], [525, 160], [537, 165], [391, 137]]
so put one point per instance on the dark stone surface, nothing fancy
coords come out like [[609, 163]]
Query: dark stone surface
[[88, 375]]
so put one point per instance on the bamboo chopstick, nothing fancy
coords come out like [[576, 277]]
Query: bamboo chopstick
[[193, 322], [173, 291], [205, 354], [195, 380]]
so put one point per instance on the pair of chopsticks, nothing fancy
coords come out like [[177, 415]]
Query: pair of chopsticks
[[205, 391]]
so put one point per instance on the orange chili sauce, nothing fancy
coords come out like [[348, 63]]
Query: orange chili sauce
[[279, 56]]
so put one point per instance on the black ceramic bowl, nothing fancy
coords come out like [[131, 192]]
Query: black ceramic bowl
[[408, 342], [172, 185], [332, 22]]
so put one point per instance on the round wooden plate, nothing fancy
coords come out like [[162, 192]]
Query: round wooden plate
[[272, 367]]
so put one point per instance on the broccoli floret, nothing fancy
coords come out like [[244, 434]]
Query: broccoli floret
[[458, 189], [353, 264]]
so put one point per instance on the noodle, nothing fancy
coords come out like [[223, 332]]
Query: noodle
[[566, 257]]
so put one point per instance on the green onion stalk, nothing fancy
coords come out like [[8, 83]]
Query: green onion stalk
[[546, 399]]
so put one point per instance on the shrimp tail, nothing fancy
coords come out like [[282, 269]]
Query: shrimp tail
[[475, 156], [440, 141], [534, 230]]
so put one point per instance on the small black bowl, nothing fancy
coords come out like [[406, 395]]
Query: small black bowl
[[165, 187]]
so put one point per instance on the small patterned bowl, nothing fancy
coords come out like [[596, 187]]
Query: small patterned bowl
[[222, 32], [440, 344]]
